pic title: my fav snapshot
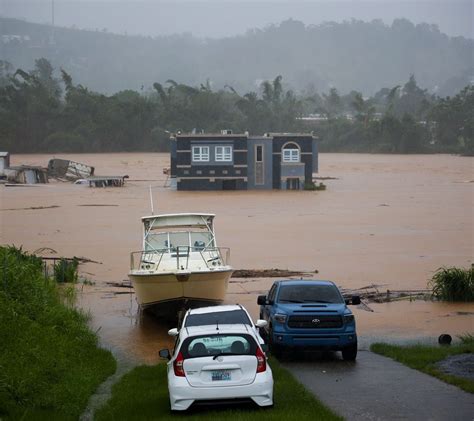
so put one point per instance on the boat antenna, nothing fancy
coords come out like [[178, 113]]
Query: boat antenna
[[151, 201]]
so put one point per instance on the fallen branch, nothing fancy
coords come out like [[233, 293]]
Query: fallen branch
[[268, 273]]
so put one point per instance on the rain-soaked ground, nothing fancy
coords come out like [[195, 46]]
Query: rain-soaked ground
[[388, 220], [138, 336]]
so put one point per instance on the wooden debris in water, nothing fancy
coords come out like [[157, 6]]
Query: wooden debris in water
[[268, 273]]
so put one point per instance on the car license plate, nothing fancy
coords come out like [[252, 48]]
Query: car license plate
[[221, 375]]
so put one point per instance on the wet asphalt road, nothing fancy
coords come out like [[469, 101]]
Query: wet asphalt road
[[378, 388]]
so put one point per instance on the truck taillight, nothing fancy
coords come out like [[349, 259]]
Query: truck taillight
[[261, 361], [178, 365]]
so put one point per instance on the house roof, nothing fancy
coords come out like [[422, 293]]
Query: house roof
[[221, 136]]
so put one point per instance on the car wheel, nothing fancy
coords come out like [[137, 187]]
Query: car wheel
[[274, 348], [350, 353]]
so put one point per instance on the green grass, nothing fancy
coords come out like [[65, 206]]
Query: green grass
[[65, 270], [50, 362], [453, 284], [424, 358], [142, 394]]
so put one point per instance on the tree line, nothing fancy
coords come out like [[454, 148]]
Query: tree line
[[42, 113], [364, 56]]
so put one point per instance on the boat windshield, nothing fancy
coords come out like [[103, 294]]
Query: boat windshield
[[197, 240]]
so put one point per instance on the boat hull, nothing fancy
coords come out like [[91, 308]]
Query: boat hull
[[174, 291]]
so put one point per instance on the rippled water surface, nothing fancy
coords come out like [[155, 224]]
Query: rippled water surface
[[388, 220]]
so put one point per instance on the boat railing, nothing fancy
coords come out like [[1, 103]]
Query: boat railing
[[152, 259]]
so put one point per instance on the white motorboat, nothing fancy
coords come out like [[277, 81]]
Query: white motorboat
[[180, 265]]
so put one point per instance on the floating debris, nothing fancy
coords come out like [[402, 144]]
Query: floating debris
[[63, 169], [97, 204], [269, 273], [32, 208]]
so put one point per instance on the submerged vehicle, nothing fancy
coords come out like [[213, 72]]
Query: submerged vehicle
[[180, 265]]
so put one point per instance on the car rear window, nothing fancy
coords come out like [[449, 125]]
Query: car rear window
[[309, 294], [221, 318], [218, 344]]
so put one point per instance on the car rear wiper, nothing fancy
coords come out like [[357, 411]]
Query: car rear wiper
[[225, 353]]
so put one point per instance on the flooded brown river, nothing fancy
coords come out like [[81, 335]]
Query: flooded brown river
[[388, 220]]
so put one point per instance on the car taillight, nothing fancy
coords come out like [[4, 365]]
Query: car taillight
[[261, 361], [178, 365]]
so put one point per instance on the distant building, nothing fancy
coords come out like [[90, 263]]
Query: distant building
[[4, 161], [228, 161]]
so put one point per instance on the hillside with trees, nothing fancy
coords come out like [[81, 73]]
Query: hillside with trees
[[352, 55], [42, 113]]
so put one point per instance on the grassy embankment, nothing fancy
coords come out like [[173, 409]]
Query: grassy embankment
[[50, 362], [142, 394], [448, 284], [425, 357]]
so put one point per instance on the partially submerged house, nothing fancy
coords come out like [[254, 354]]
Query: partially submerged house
[[228, 161], [4, 161], [26, 174], [68, 170]]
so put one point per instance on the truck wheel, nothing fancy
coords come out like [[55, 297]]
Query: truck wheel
[[274, 348], [350, 353]]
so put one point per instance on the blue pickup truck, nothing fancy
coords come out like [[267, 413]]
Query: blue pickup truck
[[309, 314]]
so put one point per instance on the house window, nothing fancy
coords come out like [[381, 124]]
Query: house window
[[291, 153], [201, 153], [259, 153], [223, 153]]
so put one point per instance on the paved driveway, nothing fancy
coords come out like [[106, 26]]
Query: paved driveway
[[378, 388]]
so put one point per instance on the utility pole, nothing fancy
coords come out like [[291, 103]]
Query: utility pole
[[52, 41]]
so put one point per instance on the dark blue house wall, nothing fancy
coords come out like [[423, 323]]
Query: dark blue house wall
[[240, 172], [305, 144], [211, 175], [173, 157]]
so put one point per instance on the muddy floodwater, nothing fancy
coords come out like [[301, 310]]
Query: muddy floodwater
[[385, 220]]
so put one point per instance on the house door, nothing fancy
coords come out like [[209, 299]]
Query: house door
[[259, 168], [292, 183]]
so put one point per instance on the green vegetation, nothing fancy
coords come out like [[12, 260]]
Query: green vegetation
[[50, 362], [467, 338], [39, 113], [453, 284], [424, 358], [142, 394], [314, 186], [65, 270]]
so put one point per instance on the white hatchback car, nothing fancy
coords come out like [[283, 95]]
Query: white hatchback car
[[222, 314], [218, 363]]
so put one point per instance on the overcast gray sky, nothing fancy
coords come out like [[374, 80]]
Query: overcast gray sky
[[218, 18]]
